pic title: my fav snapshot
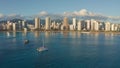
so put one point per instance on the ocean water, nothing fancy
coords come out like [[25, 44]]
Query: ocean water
[[65, 50]]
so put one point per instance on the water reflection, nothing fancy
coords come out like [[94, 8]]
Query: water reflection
[[13, 37], [8, 34], [108, 36], [96, 35], [78, 34], [47, 34], [24, 33], [65, 33], [73, 34], [14, 34], [36, 34], [109, 39]]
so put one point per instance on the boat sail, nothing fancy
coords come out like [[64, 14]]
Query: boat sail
[[43, 48]]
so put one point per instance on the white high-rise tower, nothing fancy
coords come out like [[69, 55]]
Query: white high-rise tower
[[79, 26], [47, 23], [107, 26], [37, 23], [74, 23], [14, 26]]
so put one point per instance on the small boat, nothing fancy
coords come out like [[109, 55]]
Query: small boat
[[43, 48], [26, 41]]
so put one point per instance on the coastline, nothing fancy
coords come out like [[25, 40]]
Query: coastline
[[68, 31]]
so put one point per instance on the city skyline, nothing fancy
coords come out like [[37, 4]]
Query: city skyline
[[108, 10], [63, 25]]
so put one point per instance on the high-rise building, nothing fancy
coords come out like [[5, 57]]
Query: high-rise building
[[112, 27], [14, 27], [19, 25], [88, 24], [116, 27], [92, 24], [74, 23], [107, 26], [96, 26], [9, 25], [37, 23], [79, 26], [65, 24], [71, 27], [24, 24], [47, 23]]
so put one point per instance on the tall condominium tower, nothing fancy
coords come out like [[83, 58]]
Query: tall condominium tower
[[47, 23], [24, 24], [88, 24], [94, 25], [74, 23], [79, 26], [107, 26], [9, 25], [19, 25], [14, 27], [65, 23], [37, 23]]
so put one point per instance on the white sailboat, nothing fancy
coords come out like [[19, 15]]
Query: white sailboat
[[43, 48]]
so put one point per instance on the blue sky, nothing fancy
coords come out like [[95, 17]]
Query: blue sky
[[31, 7]]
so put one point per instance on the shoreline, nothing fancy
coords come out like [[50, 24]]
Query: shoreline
[[68, 31]]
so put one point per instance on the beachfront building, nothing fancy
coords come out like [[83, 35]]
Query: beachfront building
[[79, 28], [53, 25], [14, 26], [88, 24], [24, 24], [74, 23], [37, 23], [58, 26], [9, 25], [65, 25], [116, 27], [47, 23], [19, 25], [71, 27], [92, 24], [96, 26], [112, 27], [107, 26]]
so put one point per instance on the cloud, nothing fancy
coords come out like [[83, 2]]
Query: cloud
[[42, 13], [82, 12], [85, 14]]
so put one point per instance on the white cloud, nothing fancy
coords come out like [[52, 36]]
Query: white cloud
[[82, 12], [91, 15], [42, 13]]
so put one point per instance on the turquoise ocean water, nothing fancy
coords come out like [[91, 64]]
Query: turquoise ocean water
[[65, 50]]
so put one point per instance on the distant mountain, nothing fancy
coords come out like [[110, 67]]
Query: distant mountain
[[12, 20]]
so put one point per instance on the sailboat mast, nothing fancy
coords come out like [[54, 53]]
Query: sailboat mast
[[43, 42]]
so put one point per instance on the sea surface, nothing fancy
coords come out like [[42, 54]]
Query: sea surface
[[65, 50]]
